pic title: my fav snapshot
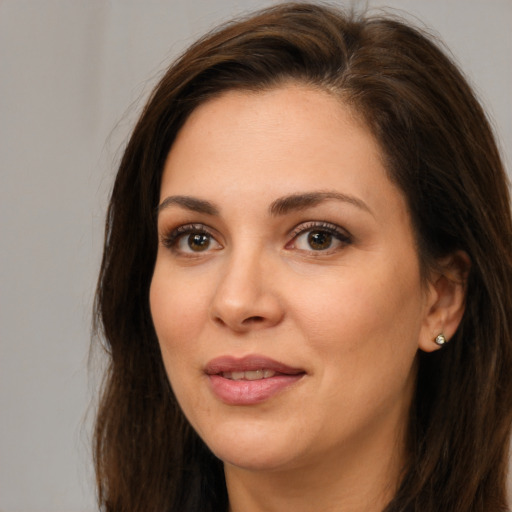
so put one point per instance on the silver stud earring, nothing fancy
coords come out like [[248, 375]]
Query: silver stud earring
[[441, 340]]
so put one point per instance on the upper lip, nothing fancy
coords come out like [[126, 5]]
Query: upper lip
[[248, 363]]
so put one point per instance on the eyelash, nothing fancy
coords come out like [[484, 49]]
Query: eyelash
[[171, 240], [326, 227]]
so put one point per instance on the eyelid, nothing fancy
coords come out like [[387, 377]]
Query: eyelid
[[321, 225], [342, 235], [169, 238]]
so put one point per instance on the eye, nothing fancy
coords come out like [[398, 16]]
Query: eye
[[190, 239], [319, 240], [319, 237], [196, 242]]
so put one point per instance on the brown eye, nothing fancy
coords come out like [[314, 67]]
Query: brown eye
[[319, 240], [198, 242], [190, 239]]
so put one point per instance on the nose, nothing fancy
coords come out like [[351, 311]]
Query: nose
[[246, 297]]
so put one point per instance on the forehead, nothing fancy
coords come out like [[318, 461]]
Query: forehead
[[281, 141]]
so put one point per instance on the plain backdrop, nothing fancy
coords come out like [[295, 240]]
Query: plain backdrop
[[73, 77]]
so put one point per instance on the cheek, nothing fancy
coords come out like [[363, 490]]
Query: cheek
[[366, 325], [362, 304], [177, 312]]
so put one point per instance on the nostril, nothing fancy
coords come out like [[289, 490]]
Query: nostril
[[219, 321], [246, 323], [253, 320]]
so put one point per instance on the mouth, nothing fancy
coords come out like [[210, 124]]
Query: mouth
[[251, 367], [249, 375], [249, 380]]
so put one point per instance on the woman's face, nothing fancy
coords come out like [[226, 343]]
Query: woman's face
[[286, 295]]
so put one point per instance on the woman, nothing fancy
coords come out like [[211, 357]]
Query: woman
[[305, 290]]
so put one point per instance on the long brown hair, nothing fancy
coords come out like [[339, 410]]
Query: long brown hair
[[439, 150]]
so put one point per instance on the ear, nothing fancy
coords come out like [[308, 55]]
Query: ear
[[445, 300]]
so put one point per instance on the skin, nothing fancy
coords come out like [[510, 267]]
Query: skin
[[352, 316]]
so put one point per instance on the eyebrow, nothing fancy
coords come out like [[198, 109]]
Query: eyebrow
[[297, 202], [189, 203], [280, 206]]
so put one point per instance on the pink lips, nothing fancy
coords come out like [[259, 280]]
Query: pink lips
[[249, 380]]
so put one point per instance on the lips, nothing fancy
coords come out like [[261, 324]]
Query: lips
[[249, 380]]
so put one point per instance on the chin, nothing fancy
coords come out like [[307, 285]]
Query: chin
[[267, 461], [252, 447]]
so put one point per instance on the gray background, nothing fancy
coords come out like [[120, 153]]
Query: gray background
[[73, 76]]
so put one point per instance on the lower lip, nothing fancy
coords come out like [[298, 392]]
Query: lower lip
[[250, 392]]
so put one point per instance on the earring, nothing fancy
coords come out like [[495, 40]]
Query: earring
[[441, 340]]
